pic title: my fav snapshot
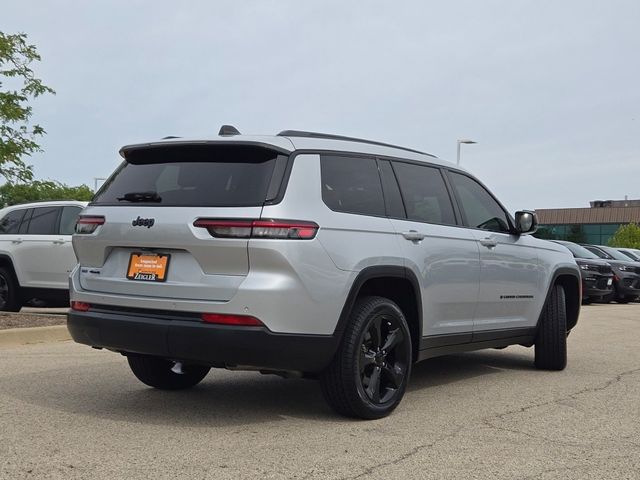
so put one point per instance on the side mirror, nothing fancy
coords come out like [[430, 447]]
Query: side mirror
[[526, 222]]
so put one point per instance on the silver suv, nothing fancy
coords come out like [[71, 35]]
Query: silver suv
[[312, 255]]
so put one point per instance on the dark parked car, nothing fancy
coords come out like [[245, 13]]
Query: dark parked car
[[626, 280], [597, 274]]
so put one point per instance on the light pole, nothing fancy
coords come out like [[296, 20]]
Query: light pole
[[461, 141], [95, 182]]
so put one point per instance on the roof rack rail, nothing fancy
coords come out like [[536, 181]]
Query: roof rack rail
[[328, 136]]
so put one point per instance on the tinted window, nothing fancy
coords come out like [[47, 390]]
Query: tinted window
[[599, 253], [25, 221], [216, 176], [68, 220], [352, 184], [392, 197], [425, 193], [43, 221], [479, 208], [11, 221], [578, 250]]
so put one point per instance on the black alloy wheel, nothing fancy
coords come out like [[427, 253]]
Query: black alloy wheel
[[369, 373], [383, 360]]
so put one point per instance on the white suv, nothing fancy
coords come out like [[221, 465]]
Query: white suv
[[310, 254], [36, 255]]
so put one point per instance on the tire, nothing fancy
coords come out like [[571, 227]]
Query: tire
[[9, 291], [369, 373], [156, 372], [608, 298], [551, 338], [624, 300]]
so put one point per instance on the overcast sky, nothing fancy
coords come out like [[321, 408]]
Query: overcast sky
[[549, 89]]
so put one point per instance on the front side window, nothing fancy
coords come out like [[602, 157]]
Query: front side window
[[425, 194], [43, 221], [479, 208], [352, 185], [11, 221]]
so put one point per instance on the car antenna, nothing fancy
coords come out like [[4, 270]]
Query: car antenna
[[228, 131]]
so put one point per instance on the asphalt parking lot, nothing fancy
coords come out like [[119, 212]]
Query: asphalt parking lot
[[67, 411]]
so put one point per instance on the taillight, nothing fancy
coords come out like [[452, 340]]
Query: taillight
[[88, 224], [237, 320], [80, 306], [264, 228]]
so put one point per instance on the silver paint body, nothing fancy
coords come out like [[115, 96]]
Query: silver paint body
[[300, 286]]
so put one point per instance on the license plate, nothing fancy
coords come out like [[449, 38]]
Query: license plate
[[609, 282], [146, 267]]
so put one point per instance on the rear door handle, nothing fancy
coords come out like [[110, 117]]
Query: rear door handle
[[17, 240], [488, 242], [413, 235], [58, 242]]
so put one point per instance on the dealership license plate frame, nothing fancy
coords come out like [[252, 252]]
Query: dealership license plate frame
[[157, 264]]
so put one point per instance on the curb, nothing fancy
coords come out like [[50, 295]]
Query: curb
[[22, 336]]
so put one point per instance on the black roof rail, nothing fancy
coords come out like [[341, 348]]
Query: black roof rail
[[328, 136], [169, 137]]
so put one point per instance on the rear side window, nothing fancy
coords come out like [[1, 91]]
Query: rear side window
[[11, 221], [193, 175], [352, 185], [479, 208], [44, 221], [425, 194], [68, 220]]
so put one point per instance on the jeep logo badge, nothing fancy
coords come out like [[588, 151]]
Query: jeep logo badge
[[143, 222]]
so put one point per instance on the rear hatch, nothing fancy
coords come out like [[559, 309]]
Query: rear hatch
[[140, 238]]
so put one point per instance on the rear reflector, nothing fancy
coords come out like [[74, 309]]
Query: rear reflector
[[264, 228], [80, 306], [88, 224], [224, 319]]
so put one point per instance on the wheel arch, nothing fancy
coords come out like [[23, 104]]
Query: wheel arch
[[7, 261], [396, 283], [570, 281]]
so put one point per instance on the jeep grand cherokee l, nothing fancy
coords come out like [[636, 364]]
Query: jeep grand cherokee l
[[330, 257]]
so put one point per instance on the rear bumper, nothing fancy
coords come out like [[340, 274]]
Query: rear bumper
[[195, 342]]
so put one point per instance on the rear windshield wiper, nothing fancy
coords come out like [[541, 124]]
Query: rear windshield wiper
[[140, 197]]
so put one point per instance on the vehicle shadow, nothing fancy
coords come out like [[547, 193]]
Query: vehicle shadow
[[449, 369], [110, 391]]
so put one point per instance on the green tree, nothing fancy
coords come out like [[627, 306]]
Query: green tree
[[627, 236], [18, 86], [41, 190]]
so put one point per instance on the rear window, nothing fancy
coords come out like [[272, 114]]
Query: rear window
[[351, 185], [195, 175]]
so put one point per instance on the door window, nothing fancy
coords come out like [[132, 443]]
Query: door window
[[43, 221], [392, 196], [11, 221], [352, 185], [479, 208], [425, 194]]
